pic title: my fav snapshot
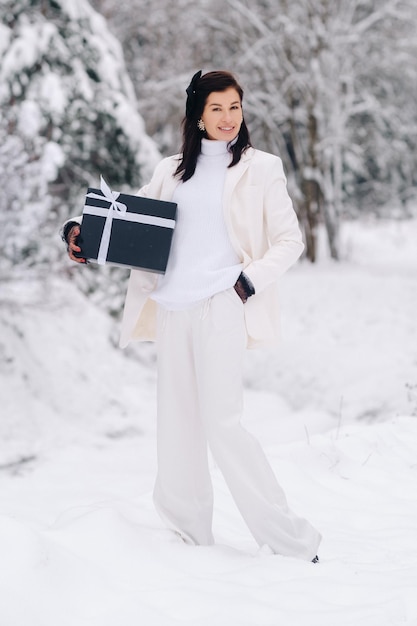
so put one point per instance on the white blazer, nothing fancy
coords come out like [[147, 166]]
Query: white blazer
[[263, 229]]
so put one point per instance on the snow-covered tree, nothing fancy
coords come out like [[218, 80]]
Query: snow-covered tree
[[384, 127], [27, 163], [330, 86], [69, 113], [164, 42], [322, 75]]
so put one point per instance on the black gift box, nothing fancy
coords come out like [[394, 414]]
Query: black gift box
[[134, 242]]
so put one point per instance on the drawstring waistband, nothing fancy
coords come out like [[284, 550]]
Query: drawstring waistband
[[163, 313], [205, 308]]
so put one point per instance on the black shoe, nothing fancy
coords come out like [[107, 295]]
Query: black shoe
[[316, 559]]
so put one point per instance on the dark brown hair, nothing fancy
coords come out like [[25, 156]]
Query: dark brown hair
[[191, 148]]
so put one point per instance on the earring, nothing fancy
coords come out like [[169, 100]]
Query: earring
[[201, 125]]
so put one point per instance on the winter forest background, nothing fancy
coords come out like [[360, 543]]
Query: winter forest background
[[90, 88], [330, 86]]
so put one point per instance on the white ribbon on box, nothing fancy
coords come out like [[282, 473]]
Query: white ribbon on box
[[117, 210]]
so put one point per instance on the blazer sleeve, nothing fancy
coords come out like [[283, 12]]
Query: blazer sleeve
[[283, 232]]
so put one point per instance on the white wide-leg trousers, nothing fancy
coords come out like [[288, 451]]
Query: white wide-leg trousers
[[200, 397]]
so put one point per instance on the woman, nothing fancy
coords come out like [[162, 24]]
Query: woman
[[236, 234]]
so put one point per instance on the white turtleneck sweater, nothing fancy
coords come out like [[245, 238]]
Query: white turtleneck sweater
[[202, 261]]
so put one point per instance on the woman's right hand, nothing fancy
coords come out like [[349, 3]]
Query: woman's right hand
[[72, 245]]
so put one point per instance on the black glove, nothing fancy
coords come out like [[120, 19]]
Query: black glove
[[66, 230], [244, 287]]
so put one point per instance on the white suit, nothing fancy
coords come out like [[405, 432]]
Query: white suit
[[200, 356], [263, 229]]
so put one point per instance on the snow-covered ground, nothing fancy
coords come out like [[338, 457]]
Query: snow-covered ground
[[335, 409]]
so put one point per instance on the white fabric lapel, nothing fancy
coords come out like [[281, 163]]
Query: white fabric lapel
[[233, 176]]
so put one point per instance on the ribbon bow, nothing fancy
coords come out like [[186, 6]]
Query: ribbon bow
[[110, 196], [191, 95]]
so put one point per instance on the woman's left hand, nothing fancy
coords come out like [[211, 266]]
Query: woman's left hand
[[244, 287], [240, 290]]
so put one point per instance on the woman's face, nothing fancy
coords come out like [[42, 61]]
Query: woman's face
[[222, 115]]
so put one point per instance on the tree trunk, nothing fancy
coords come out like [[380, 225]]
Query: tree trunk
[[310, 216]]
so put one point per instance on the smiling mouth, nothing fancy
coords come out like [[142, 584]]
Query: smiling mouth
[[228, 128]]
